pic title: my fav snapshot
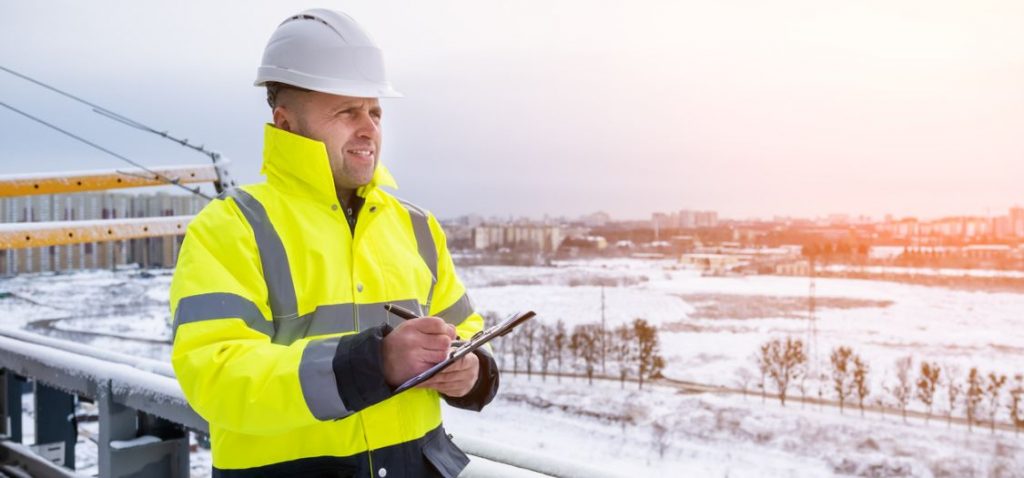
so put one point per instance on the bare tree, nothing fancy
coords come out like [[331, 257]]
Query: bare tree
[[585, 336], [927, 381], [546, 338], [498, 346], [993, 389], [787, 361], [514, 348], [903, 389], [649, 361], [1016, 402], [953, 391], [559, 340], [528, 344], [764, 363], [860, 381], [842, 374], [575, 345], [743, 378], [625, 351], [972, 400]]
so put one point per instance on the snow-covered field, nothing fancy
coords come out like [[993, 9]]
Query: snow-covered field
[[708, 435], [713, 325], [709, 328]]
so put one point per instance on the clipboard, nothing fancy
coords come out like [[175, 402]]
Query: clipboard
[[474, 343]]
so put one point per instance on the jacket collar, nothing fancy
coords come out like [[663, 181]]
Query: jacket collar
[[299, 166]]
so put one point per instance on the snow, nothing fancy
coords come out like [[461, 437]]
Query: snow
[[880, 320], [550, 464], [719, 435], [162, 368], [709, 328], [138, 441], [11, 227], [919, 271], [127, 302]]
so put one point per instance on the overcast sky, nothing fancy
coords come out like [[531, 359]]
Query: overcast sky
[[527, 107]]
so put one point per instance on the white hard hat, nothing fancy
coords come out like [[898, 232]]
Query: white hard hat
[[327, 51]]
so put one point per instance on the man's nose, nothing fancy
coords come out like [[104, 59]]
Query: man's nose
[[368, 127]]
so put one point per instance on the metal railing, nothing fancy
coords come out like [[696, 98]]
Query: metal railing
[[144, 418], [36, 234], [132, 403]]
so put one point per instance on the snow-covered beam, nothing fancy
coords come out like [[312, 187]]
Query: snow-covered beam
[[83, 375], [20, 235], [527, 461], [78, 181], [23, 459], [149, 365]]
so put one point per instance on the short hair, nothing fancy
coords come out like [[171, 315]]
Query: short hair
[[274, 88]]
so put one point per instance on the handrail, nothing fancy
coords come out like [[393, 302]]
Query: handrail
[[86, 376], [119, 382], [74, 182], [149, 365], [20, 235]]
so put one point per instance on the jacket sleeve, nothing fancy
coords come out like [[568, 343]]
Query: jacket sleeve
[[228, 366], [452, 303]]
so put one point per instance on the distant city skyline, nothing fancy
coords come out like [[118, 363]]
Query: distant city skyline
[[751, 109], [833, 217]]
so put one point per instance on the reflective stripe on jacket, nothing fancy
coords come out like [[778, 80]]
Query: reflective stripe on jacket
[[278, 318]]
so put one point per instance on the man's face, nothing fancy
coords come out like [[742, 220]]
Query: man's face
[[348, 126]]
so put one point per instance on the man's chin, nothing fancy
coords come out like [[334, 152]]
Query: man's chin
[[352, 183]]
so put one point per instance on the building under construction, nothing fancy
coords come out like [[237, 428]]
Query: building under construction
[[146, 252]]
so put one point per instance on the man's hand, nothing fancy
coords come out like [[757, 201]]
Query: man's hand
[[458, 379], [414, 346]]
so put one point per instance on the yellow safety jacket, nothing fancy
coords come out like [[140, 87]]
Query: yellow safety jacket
[[278, 320]]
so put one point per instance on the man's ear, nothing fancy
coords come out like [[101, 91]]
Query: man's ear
[[281, 118]]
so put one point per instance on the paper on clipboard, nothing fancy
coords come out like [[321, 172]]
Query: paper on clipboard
[[474, 343]]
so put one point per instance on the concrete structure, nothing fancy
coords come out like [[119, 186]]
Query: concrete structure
[[706, 219], [684, 219], [799, 267], [597, 219], [716, 263], [528, 237], [148, 252]]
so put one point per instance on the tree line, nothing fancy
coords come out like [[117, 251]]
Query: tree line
[[782, 363], [627, 351]]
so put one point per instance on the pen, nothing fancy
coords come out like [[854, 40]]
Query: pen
[[400, 311], [407, 314]]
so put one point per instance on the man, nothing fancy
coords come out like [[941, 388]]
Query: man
[[281, 339]]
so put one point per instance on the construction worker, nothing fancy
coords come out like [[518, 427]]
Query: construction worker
[[281, 340]]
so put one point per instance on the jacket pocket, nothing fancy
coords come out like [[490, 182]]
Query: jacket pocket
[[447, 458]]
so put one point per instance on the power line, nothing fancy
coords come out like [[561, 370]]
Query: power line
[[161, 177], [115, 116]]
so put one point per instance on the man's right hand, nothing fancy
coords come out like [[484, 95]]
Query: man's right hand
[[414, 346]]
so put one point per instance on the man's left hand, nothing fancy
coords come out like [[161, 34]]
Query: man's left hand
[[458, 379]]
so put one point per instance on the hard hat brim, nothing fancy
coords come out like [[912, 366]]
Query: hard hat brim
[[333, 86]]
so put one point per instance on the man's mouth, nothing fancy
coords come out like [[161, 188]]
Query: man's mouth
[[361, 152]]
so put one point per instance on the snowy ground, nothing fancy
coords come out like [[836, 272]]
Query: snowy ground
[[710, 327], [727, 436]]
